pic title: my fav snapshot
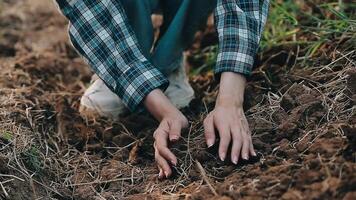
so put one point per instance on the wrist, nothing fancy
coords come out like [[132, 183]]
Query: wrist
[[159, 105], [231, 90]]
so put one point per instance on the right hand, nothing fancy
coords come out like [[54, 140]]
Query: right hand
[[172, 121], [169, 129]]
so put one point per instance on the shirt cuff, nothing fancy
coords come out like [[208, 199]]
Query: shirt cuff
[[137, 82], [234, 62]]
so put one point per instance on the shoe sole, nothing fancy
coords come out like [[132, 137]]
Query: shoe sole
[[88, 113], [92, 113]]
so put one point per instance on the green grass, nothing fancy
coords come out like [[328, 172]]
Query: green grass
[[32, 159], [289, 24], [293, 23], [282, 24], [7, 135], [209, 56]]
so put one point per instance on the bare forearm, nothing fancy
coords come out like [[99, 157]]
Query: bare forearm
[[158, 104], [171, 122], [232, 88]]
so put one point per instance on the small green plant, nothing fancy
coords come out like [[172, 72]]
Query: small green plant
[[7, 135], [32, 159], [209, 56]]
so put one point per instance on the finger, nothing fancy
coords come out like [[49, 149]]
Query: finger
[[245, 146], [163, 164], [160, 174], [246, 140], [236, 145], [162, 147], [175, 131], [209, 131], [252, 149], [225, 138], [168, 155]]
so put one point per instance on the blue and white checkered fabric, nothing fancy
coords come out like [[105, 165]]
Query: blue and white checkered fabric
[[100, 32], [240, 25]]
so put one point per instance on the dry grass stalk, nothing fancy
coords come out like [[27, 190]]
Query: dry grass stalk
[[205, 178]]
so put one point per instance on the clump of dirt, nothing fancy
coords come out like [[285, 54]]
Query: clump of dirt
[[302, 119]]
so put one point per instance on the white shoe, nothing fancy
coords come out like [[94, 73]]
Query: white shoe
[[99, 100], [179, 91]]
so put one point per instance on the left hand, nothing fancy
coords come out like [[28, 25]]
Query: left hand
[[229, 120]]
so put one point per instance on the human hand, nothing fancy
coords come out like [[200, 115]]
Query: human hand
[[229, 120], [172, 121], [169, 129]]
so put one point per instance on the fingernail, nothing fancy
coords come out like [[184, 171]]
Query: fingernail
[[173, 163], [174, 138], [222, 156], [210, 143], [245, 157], [160, 174], [254, 154], [166, 173], [234, 160]]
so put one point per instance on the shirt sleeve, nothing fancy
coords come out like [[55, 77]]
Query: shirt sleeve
[[239, 25], [100, 32]]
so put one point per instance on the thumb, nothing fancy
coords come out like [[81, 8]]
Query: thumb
[[175, 131]]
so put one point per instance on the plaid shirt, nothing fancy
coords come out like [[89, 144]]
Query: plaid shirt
[[100, 32]]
